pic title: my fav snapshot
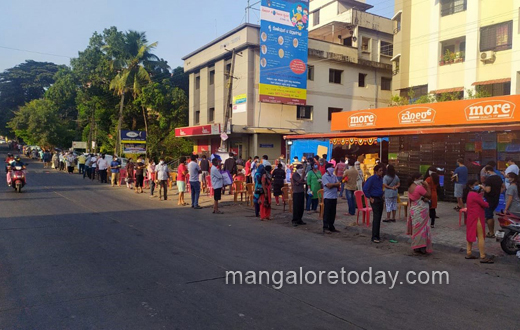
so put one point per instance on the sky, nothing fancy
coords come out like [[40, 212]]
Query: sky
[[56, 30]]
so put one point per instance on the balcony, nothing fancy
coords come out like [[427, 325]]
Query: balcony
[[451, 58]]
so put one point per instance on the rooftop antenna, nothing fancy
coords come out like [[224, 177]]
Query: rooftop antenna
[[249, 7]]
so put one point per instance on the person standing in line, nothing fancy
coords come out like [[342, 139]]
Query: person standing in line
[[62, 161], [204, 166], [139, 175], [460, 178], [360, 178], [265, 160], [130, 172], [102, 168], [391, 184], [298, 185], [340, 171], [314, 179], [259, 190], [433, 183], [418, 225], [56, 161], [81, 162], [47, 157], [265, 198], [182, 170], [493, 187], [217, 181], [373, 190], [93, 165], [69, 160], [350, 177], [150, 170], [475, 222], [330, 198], [511, 168], [194, 171], [230, 165], [163, 174], [86, 172], [247, 170], [512, 198], [115, 167], [278, 183], [254, 167]]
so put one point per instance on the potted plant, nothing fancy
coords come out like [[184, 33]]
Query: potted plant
[[447, 56], [453, 56]]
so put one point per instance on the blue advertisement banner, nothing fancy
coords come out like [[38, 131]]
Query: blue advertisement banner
[[133, 136], [284, 39]]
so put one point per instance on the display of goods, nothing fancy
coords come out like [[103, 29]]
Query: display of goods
[[505, 138]]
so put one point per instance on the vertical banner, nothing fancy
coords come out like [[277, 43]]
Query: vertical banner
[[284, 51]]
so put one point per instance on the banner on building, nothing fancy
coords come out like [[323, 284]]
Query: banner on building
[[138, 148], [240, 103], [133, 137], [284, 51]]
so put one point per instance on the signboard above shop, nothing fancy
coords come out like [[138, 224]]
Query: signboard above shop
[[213, 129], [284, 51], [133, 137], [492, 110]]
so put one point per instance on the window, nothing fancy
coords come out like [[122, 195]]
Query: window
[[396, 65], [414, 92], [197, 82], [335, 76], [386, 84], [387, 48], [333, 110], [197, 117], [397, 25], [310, 72], [365, 44], [211, 115], [212, 77], [495, 89], [496, 37], [347, 42], [316, 18], [304, 112], [362, 78], [449, 7]]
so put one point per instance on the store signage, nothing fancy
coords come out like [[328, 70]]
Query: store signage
[[486, 110], [362, 119], [213, 129], [133, 136], [417, 115], [492, 110], [136, 149], [284, 39], [266, 145]]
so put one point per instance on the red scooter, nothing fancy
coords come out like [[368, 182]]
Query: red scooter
[[18, 179], [509, 236]]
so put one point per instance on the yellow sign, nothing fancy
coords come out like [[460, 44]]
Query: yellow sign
[[288, 95]]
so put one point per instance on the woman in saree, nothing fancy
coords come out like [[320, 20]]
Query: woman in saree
[[265, 198], [257, 179], [418, 223]]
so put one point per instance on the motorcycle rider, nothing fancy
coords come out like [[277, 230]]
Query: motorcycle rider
[[16, 162], [8, 161]]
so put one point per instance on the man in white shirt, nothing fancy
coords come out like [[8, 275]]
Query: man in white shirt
[[194, 171], [163, 174], [93, 165], [102, 164], [217, 182], [511, 167]]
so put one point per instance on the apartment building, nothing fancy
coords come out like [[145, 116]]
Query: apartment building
[[349, 68], [457, 46]]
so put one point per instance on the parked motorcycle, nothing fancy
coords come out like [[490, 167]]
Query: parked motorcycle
[[509, 236], [18, 179]]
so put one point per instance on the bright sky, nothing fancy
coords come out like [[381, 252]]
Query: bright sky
[[55, 30]]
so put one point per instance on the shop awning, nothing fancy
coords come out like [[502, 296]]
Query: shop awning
[[491, 82], [409, 131], [267, 130], [448, 90]]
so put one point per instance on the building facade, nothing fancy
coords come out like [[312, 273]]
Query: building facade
[[349, 68], [459, 46]]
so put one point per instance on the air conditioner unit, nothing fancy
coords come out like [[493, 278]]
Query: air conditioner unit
[[488, 56]]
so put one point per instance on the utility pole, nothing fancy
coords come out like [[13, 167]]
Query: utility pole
[[229, 106]]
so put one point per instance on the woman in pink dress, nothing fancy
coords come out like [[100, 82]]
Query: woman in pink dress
[[418, 223], [476, 221]]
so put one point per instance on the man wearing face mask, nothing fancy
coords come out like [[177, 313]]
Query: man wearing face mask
[[493, 187], [163, 174], [511, 168], [314, 179], [373, 190], [298, 182], [330, 198]]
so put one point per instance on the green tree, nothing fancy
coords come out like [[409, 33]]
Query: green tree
[[23, 83]]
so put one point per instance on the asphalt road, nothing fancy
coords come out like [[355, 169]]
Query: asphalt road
[[75, 254]]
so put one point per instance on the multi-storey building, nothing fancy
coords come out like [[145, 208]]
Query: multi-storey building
[[461, 46], [349, 68]]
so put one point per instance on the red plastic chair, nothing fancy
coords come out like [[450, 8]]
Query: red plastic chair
[[209, 187], [364, 210], [461, 212], [122, 176]]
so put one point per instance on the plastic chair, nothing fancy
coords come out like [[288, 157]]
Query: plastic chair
[[122, 176], [209, 186], [287, 198], [239, 187], [321, 202], [250, 189], [404, 205], [465, 212], [360, 196]]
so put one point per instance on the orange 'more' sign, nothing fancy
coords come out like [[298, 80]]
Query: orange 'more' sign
[[500, 109]]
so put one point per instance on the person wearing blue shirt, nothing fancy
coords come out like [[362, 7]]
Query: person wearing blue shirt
[[373, 190], [460, 177], [115, 167], [330, 198]]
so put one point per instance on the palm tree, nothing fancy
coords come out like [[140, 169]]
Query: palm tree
[[130, 59]]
